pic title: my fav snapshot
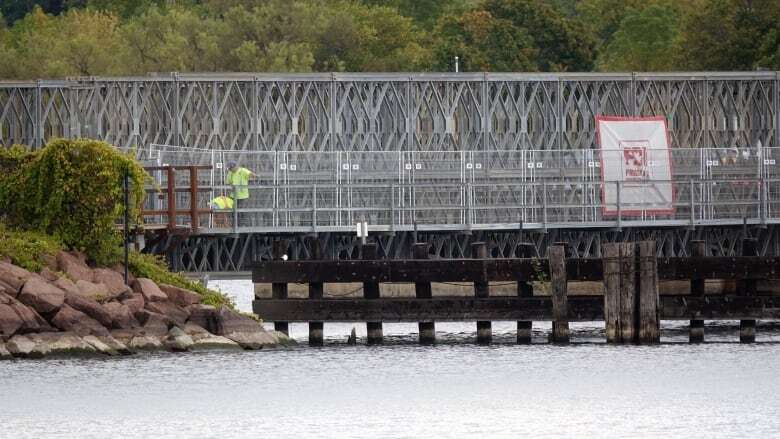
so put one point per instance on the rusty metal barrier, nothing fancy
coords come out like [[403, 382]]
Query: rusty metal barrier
[[169, 192]]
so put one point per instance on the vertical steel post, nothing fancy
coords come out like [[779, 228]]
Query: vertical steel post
[[256, 124], [314, 208], [126, 227], [37, 115], [544, 205], [194, 216], [619, 208], [171, 173], [135, 136], [693, 204]]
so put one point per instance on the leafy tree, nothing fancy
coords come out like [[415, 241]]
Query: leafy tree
[[770, 51], [275, 33], [563, 44], [175, 39], [483, 43], [88, 43], [275, 57], [425, 12], [603, 17], [334, 36], [728, 34], [78, 43], [379, 39], [121, 8], [644, 41]]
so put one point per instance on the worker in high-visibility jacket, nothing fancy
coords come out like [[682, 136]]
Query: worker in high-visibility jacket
[[238, 177], [221, 204]]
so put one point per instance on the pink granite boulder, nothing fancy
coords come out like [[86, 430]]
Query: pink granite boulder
[[41, 296], [91, 290], [135, 302], [149, 289], [175, 313], [180, 296], [13, 277], [74, 266], [90, 308], [112, 280], [121, 316], [68, 319]]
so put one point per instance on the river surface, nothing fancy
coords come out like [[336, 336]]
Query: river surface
[[399, 390]]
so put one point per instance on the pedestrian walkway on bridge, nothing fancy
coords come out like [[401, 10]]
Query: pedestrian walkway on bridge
[[302, 192]]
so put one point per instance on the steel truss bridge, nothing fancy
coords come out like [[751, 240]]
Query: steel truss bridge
[[447, 158]]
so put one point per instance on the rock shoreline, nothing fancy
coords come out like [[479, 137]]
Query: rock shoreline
[[70, 308]]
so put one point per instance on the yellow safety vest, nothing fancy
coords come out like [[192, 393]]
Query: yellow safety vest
[[239, 179], [223, 202]]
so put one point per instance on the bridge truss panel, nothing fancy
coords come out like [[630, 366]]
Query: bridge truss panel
[[372, 116], [522, 115], [390, 112]]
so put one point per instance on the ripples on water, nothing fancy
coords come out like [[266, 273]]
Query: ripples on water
[[453, 389]]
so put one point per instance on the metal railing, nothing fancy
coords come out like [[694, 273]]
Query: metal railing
[[331, 191]]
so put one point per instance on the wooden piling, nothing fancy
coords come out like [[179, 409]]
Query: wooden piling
[[524, 289], [696, 329], [371, 291], [316, 292], [558, 284], [610, 254], [422, 290], [279, 290], [747, 287], [649, 325], [747, 331], [627, 310], [482, 289]]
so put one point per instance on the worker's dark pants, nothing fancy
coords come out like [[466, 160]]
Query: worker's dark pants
[[243, 218]]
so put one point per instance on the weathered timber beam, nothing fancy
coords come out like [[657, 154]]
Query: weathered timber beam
[[719, 307], [468, 270], [580, 309], [721, 267]]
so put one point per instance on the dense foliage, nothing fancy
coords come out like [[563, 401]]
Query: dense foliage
[[48, 38], [71, 190], [27, 249]]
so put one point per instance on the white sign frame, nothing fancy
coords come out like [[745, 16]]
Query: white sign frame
[[627, 148]]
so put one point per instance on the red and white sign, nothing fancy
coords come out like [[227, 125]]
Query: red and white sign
[[635, 153]]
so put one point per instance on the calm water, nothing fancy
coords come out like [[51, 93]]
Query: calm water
[[454, 389]]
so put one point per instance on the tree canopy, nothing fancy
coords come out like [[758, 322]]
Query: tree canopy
[[55, 39]]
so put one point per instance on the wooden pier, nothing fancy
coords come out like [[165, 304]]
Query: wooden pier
[[631, 305]]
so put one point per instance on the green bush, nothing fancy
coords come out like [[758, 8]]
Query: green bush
[[27, 249], [71, 190]]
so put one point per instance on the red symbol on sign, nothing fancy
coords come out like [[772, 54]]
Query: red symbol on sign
[[635, 162]]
